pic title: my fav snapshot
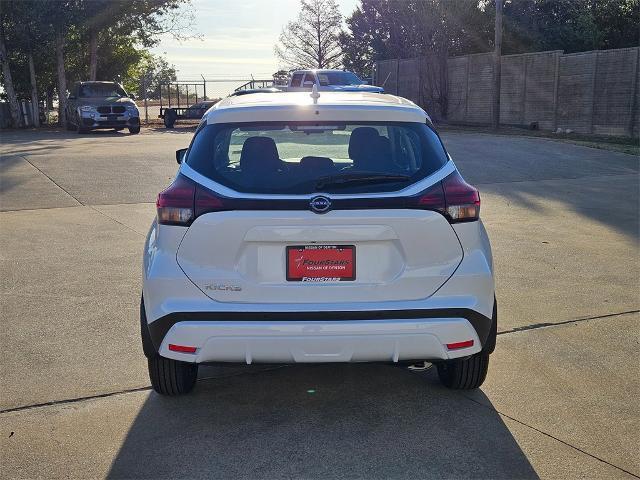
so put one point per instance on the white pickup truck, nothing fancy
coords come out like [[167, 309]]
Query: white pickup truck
[[329, 80]]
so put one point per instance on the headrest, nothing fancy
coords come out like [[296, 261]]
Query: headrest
[[319, 164], [360, 142], [259, 153]]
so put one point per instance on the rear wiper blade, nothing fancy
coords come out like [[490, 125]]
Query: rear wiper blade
[[355, 178]]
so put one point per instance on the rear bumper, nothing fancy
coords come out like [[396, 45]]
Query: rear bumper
[[303, 337], [390, 340]]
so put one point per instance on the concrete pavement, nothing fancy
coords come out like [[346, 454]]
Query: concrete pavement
[[560, 400]]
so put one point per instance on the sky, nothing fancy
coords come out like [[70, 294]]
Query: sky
[[237, 39]]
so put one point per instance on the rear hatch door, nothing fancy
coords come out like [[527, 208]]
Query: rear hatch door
[[252, 256]]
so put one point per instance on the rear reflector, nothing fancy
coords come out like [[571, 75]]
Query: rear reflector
[[181, 348], [457, 345]]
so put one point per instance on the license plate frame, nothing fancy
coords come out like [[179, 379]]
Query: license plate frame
[[333, 274]]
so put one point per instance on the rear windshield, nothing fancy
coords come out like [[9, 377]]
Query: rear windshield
[[338, 78], [304, 158]]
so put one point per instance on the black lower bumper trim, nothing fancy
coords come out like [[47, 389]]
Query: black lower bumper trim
[[159, 328]]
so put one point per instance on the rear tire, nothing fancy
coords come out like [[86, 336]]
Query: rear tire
[[464, 373], [171, 377], [134, 130]]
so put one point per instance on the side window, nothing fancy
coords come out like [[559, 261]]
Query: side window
[[324, 79], [408, 152], [235, 142], [309, 77], [296, 80]]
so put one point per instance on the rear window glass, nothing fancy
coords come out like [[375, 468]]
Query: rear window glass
[[338, 78], [296, 80], [304, 158]]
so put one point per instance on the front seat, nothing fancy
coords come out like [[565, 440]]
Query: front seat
[[259, 158], [368, 150]]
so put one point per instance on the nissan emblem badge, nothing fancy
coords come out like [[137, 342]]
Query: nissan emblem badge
[[320, 204]]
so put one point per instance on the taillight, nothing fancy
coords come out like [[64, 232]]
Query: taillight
[[206, 201], [463, 200], [453, 197], [183, 201], [175, 204]]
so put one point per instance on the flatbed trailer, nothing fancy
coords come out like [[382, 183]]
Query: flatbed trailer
[[171, 113]]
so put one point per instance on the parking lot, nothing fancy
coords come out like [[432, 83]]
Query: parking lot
[[561, 398]]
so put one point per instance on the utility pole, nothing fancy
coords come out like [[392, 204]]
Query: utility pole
[[497, 64], [145, 80]]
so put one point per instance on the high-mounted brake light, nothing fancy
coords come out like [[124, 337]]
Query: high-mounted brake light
[[453, 197], [183, 201]]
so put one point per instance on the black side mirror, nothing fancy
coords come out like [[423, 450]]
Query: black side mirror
[[180, 155], [132, 96]]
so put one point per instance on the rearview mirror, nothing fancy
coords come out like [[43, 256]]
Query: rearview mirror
[[180, 155]]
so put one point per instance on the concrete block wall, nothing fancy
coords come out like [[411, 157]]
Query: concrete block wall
[[479, 88], [539, 98], [458, 88], [615, 86], [575, 91], [587, 92]]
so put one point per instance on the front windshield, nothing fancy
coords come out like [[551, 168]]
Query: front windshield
[[302, 158], [338, 78], [101, 90]]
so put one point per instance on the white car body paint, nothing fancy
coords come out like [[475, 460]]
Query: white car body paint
[[411, 260]]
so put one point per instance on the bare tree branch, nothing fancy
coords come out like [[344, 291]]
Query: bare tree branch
[[311, 41]]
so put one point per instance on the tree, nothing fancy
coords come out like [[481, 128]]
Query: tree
[[48, 44], [386, 29], [311, 41], [281, 77], [364, 43], [14, 107], [435, 29], [27, 23], [570, 25], [140, 21], [150, 72]]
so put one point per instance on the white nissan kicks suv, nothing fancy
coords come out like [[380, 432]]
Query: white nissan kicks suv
[[330, 227]]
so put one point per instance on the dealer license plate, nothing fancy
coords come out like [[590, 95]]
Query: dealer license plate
[[321, 263]]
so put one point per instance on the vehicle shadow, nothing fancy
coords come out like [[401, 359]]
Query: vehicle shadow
[[7, 164], [188, 128], [320, 421], [532, 172]]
